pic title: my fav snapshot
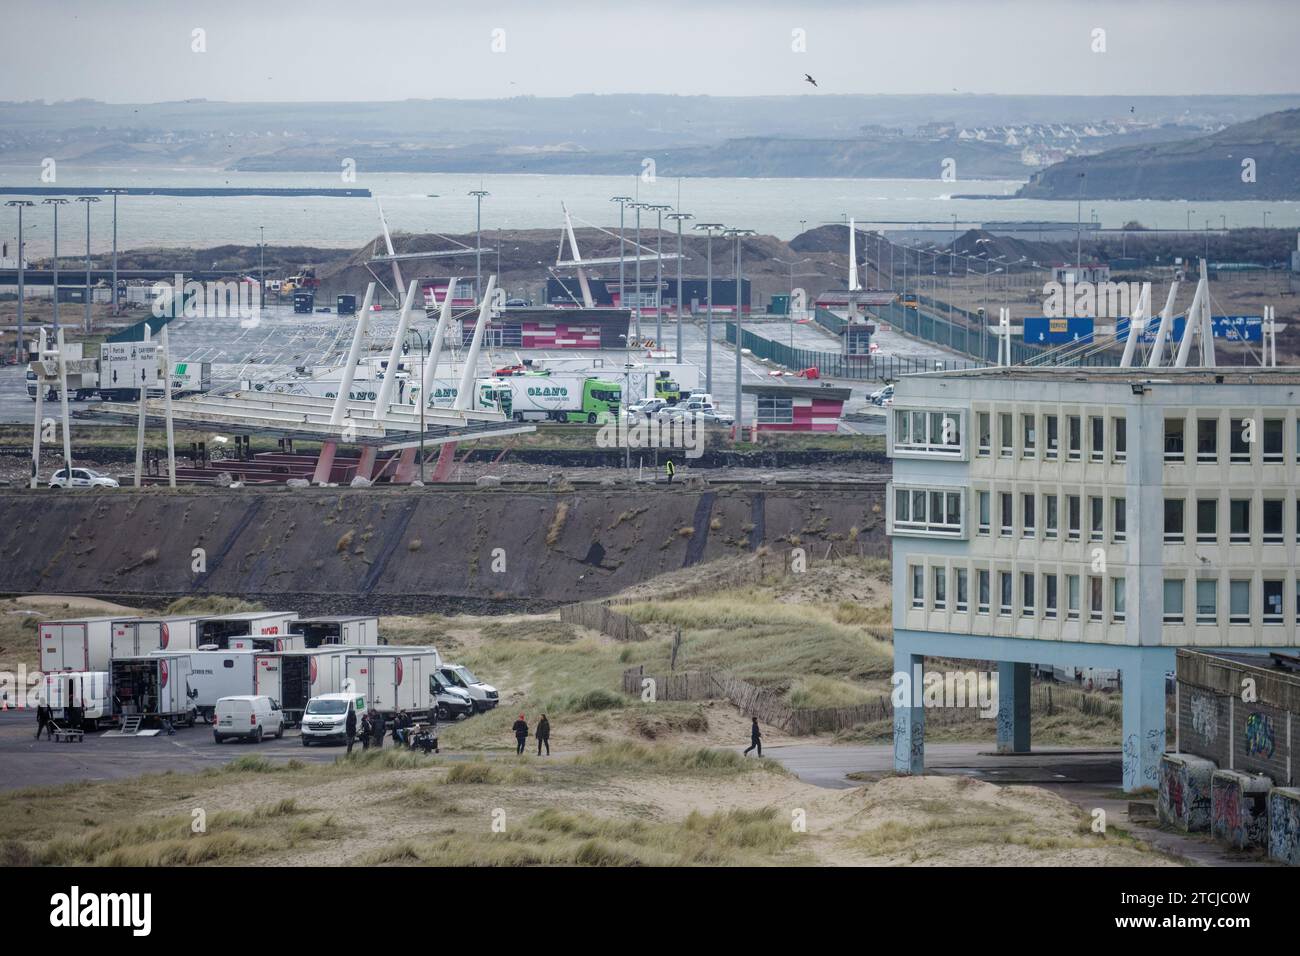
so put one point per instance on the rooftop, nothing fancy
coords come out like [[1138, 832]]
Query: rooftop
[[1112, 375]]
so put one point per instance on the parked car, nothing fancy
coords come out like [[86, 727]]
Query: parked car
[[453, 702], [458, 675], [646, 407], [248, 716], [81, 478], [326, 717], [701, 411], [880, 395]]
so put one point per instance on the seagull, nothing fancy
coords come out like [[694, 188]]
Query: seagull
[[807, 77]]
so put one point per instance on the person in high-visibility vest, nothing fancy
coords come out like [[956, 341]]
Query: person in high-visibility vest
[[671, 469]]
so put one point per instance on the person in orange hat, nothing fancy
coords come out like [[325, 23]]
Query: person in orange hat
[[521, 733]]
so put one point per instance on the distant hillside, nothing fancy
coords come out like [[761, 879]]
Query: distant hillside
[[1202, 168]]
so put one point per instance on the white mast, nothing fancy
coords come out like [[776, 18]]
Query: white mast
[[354, 356], [395, 354], [465, 394], [853, 258], [1162, 331], [431, 369], [587, 300]]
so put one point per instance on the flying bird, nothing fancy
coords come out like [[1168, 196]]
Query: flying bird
[[808, 79]]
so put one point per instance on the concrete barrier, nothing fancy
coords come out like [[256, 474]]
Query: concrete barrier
[[1239, 808], [1284, 825], [1185, 792]]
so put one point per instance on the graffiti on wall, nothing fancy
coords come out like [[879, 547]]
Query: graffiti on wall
[[1205, 717], [1259, 739], [1284, 827]]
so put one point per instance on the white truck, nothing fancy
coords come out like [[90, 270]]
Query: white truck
[[126, 367], [294, 677], [77, 644], [86, 692], [191, 378], [557, 397], [155, 686], [393, 679], [249, 630], [324, 631], [134, 637], [217, 674], [82, 375]]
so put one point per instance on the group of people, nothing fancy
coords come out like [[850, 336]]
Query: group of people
[[46, 724], [542, 733], [371, 729]]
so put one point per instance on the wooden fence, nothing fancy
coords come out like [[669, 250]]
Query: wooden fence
[[599, 617]]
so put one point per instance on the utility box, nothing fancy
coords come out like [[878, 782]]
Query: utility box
[[346, 305], [304, 301]]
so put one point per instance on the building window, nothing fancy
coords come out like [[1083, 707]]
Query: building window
[[1117, 589], [1207, 601], [1272, 440], [1073, 504], [1049, 596], [1094, 599], [940, 589], [931, 433], [1121, 439], [986, 438], [983, 584], [1239, 520], [1072, 596], [1174, 428], [1030, 437], [1173, 520], [1173, 601], [1207, 520], [1207, 439], [918, 586], [1075, 424], [984, 512], [1027, 507], [1005, 436], [1273, 602], [1096, 519], [1239, 602], [1239, 447], [1119, 518], [1053, 438], [928, 512], [1026, 595], [1007, 518], [963, 590], [1273, 521], [775, 410], [1097, 425], [1004, 590], [1051, 518]]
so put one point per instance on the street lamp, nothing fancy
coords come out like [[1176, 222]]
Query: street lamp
[[738, 235], [424, 346], [1078, 226], [679, 218], [478, 195], [622, 282], [115, 193], [88, 200], [56, 203], [710, 229], [790, 299], [638, 206], [659, 211], [22, 268]]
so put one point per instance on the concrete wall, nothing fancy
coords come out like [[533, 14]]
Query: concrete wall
[[1239, 809], [342, 550], [1185, 792]]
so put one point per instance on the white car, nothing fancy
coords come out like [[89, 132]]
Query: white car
[[326, 717], [249, 716], [484, 695], [650, 406], [81, 478]]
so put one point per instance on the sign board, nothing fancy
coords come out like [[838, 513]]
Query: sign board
[[1235, 328], [1045, 331]]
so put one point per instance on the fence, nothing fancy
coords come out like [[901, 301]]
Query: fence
[[598, 617], [835, 365]]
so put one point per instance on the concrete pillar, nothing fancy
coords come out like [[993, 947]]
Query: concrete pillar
[[366, 466], [1144, 720], [405, 472], [909, 715], [1013, 707], [325, 463]]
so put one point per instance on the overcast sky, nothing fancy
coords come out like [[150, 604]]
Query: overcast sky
[[140, 50]]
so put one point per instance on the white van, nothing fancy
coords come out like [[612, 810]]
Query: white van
[[247, 715], [326, 717], [458, 675]]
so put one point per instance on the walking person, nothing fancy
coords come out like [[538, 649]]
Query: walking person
[[671, 469], [521, 733], [377, 726], [42, 718], [350, 727], [431, 728], [367, 731], [543, 735], [755, 739]]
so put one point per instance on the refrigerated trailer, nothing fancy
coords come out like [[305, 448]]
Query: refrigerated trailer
[[154, 686], [77, 644], [217, 674], [294, 677], [85, 692], [135, 637], [392, 679], [323, 631], [250, 630]]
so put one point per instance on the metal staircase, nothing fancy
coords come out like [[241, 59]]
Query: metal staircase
[[131, 724]]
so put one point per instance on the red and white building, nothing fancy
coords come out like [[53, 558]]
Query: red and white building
[[798, 408]]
